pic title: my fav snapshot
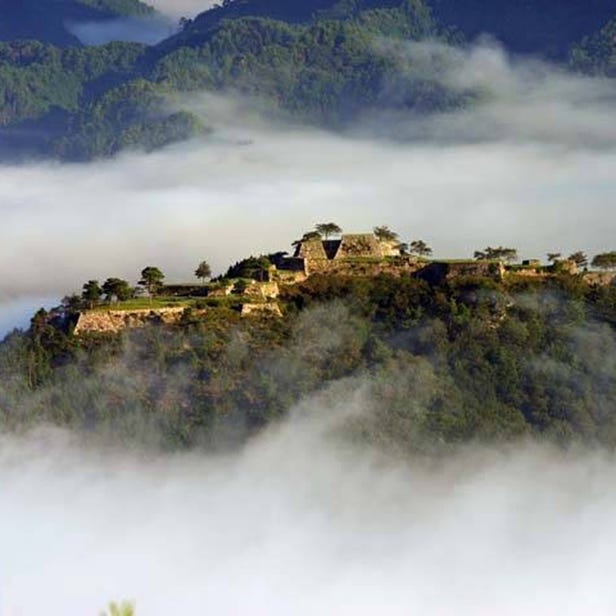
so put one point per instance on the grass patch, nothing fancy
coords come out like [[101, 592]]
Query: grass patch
[[144, 303]]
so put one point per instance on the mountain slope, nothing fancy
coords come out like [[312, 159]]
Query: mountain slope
[[323, 61], [541, 27], [44, 20], [323, 71]]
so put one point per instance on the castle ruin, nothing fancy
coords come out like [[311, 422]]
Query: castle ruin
[[315, 255]]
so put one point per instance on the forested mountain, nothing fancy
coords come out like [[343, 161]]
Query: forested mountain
[[45, 20], [440, 365], [322, 71], [323, 61]]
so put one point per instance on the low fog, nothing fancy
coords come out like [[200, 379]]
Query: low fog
[[139, 30], [302, 523], [531, 166]]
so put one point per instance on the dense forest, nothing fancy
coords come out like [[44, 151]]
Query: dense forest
[[437, 366], [322, 61]]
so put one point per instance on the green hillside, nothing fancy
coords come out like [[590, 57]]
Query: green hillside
[[323, 71], [322, 61], [439, 365]]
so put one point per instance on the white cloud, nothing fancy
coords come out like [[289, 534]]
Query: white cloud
[[301, 523]]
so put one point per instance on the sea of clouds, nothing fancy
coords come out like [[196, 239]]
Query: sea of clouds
[[302, 522]]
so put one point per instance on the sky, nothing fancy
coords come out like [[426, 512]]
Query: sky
[[182, 8]]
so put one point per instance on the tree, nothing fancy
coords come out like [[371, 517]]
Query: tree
[[152, 279], [328, 228], [385, 234], [310, 236], [72, 303], [203, 271], [420, 248], [497, 254], [606, 260], [118, 288], [256, 268], [580, 258], [553, 257], [91, 292]]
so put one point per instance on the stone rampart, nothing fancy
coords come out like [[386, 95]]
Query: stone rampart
[[269, 309], [115, 321]]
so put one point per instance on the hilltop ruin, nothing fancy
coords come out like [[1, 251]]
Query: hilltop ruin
[[362, 254]]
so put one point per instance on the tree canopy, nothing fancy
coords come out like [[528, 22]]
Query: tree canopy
[[606, 260], [385, 234], [580, 258], [326, 229], [203, 271], [152, 279], [419, 248], [497, 254], [117, 288]]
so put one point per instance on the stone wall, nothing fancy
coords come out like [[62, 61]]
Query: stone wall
[[600, 279], [438, 272], [291, 276], [270, 309], [263, 290], [115, 321], [398, 266], [362, 245]]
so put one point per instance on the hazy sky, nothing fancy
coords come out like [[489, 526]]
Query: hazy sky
[[182, 8], [531, 167]]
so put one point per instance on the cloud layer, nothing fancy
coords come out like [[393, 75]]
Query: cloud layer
[[302, 523]]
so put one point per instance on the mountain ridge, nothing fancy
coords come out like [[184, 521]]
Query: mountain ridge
[[320, 65]]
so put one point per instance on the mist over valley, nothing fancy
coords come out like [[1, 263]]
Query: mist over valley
[[307, 307]]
